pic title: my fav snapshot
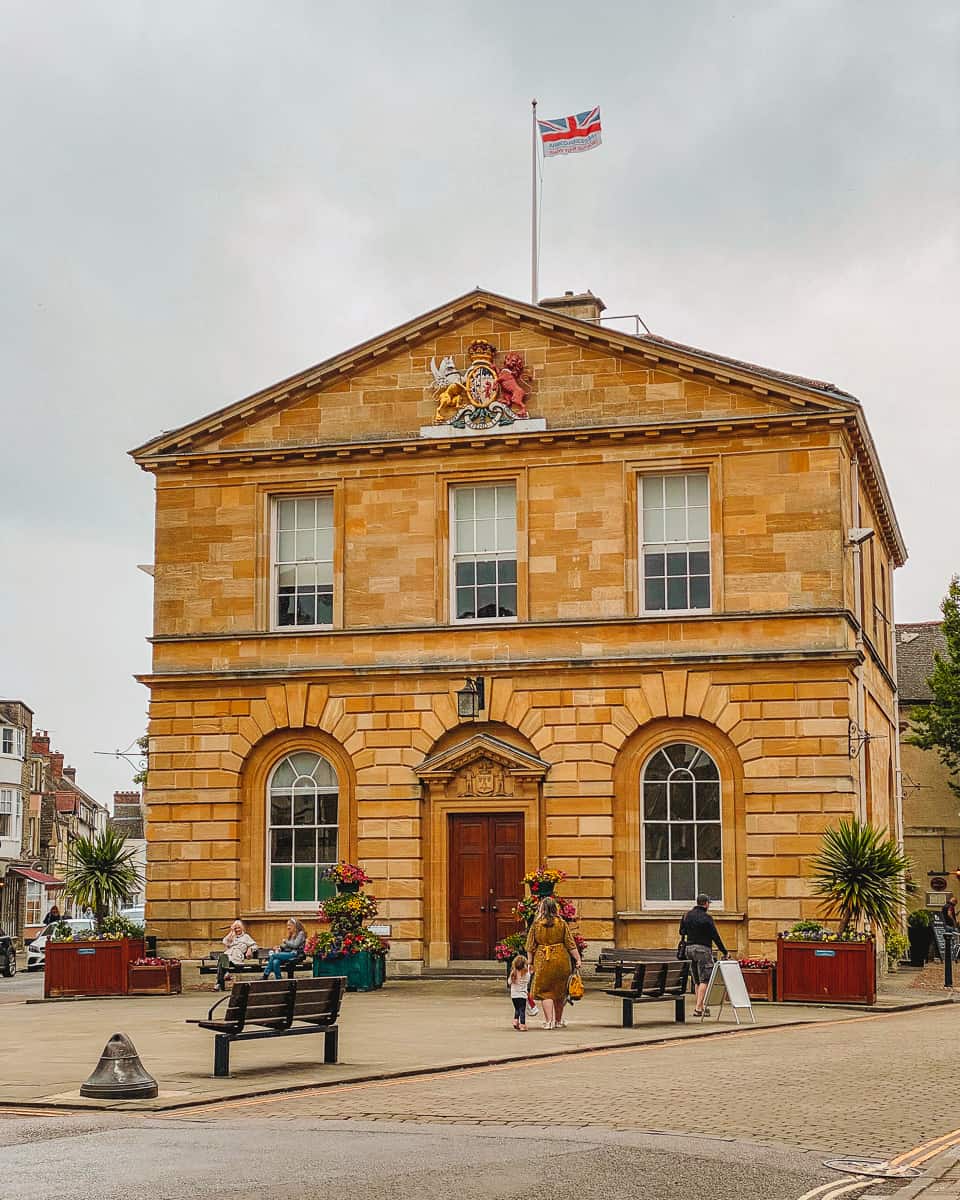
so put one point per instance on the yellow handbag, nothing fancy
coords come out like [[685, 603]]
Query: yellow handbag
[[575, 987]]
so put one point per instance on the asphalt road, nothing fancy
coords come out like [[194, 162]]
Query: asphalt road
[[81, 1158]]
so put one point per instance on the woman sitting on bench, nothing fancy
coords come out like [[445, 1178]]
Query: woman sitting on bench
[[238, 945], [289, 950]]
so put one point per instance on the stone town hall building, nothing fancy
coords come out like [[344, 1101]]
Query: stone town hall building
[[644, 552]]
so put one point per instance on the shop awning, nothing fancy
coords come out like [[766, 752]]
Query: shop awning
[[48, 881]]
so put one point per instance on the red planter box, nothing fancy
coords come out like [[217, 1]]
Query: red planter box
[[89, 968], [760, 981], [827, 972], [160, 979]]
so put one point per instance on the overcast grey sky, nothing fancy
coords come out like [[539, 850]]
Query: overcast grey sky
[[200, 198]]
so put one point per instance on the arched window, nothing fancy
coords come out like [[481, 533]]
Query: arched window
[[302, 799], [681, 827]]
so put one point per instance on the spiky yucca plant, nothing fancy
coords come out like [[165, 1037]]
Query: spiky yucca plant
[[859, 871], [101, 874]]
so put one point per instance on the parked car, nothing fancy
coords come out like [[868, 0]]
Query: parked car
[[37, 948], [8, 955], [133, 914]]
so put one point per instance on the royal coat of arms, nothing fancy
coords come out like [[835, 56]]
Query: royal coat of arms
[[488, 393]]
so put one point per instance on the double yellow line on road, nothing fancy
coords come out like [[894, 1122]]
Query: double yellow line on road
[[909, 1158]]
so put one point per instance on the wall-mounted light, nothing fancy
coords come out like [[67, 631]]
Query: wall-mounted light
[[859, 535], [470, 698]]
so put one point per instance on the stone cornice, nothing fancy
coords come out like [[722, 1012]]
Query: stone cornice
[[380, 448], [514, 667]]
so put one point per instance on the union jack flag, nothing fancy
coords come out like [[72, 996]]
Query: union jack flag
[[571, 135]]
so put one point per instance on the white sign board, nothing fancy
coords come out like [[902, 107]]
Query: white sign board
[[727, 983]]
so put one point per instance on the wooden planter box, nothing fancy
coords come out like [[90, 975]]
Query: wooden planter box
[[364, 972], [761, 982], [827, 972], [89, 968], [160, 979]]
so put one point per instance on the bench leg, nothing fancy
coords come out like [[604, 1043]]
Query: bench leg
[[628, 1014], [680, 1011], [221, 1056], [331, 1045]]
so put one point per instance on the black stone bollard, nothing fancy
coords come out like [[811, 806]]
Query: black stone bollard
[[948, 936]]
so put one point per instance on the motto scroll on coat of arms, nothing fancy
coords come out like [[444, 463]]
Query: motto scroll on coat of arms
[[486, 394]]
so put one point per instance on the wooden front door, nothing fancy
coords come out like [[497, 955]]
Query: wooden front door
[[486, 867]]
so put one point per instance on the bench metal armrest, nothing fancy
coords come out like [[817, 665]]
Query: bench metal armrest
[[222, 1000]]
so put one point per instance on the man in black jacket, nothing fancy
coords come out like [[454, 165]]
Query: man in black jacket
[[701, 933]]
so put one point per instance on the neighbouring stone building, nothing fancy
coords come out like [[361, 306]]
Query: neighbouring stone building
[[931, 810], [16, 727], [670, 571], [128, 820]]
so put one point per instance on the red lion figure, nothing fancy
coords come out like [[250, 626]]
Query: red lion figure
[[514, 382]]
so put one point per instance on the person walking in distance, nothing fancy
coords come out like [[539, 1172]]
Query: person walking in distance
[[701, 934], [949, 912], [519, 983]]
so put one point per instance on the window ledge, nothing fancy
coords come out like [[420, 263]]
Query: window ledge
[[674, 914]]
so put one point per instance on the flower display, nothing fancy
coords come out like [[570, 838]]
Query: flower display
[[526, 909], [345, 917], [155, 962], [349, 913], [344, 872], [512, 945], [813, 931], [547, 875], [756, 964]]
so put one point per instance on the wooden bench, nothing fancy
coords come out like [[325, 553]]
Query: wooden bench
[[653, 981], [276, 1008], [252, 966]]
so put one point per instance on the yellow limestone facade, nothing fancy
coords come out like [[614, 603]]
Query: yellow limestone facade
[[583, 686]]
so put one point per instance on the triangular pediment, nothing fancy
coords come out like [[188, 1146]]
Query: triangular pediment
[[483, 748], [582, 375]]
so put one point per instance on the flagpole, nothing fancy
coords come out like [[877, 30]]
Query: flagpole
[[533, 216]]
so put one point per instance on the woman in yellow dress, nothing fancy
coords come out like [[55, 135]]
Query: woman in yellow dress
[[550, 949]]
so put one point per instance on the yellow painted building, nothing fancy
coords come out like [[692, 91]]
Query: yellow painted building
[[643, 550]]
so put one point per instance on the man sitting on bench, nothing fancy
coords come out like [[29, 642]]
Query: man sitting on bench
[[700, 931], [238, 945], [289, 950]]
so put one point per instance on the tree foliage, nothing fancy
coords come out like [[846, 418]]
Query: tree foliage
[[859, 871], [101, 874], [936, 726]]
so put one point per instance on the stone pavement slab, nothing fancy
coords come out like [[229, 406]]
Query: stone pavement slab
[[48, 1050]]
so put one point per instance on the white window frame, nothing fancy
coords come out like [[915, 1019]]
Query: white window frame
[[668, 613], [11, 804], [296, 906], [276, 564], [717, 902], [454, 556], [17, 741]]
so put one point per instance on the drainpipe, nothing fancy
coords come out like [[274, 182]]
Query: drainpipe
[[858, 614]]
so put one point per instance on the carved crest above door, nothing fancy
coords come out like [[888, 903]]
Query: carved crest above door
[[482, 766]]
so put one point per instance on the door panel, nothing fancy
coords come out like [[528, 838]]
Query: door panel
[[486, 866], [506, 853]]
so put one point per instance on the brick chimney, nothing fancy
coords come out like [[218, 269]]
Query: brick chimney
[[40, 743], [126, 804], [586, 305], [70, 773], [56, 764]]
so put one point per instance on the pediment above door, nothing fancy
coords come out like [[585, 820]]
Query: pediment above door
[[483, 766]]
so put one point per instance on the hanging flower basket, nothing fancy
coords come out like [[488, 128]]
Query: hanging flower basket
[[543, 881], [348, 877]]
